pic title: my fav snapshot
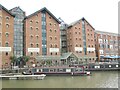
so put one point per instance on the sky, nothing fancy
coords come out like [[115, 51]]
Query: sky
[[101, 14]]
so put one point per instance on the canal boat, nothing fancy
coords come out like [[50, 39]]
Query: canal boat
[[53, 71]]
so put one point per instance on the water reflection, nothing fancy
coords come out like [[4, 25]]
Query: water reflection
[[107, 79]]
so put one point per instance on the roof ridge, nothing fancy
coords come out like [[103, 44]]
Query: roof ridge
[[42, 9], [105, 32], [1, 6], [17, 8]]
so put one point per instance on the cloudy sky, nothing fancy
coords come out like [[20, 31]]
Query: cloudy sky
[[101, 14]]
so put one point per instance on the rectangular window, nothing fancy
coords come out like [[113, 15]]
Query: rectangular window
[[44, 50], [43, 35], [43, 42], [43, 23], [43, 19], [43, 15], [43, 27]]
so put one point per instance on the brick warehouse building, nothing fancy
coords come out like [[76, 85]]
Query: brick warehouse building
[[106, 46], [6, 36], [80, 41], [40, 37]]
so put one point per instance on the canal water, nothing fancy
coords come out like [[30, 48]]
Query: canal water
[[106, 79]]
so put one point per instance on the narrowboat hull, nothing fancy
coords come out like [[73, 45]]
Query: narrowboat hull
[[60, 71], [60, 74]]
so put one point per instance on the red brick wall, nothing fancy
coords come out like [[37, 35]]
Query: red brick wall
[[9, 39]]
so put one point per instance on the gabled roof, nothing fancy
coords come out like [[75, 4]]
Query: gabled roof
[[6, 10], [46, 10], [66, 55], [15, 8], [75, 22], [88, 22]]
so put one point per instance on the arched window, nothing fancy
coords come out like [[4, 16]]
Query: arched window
[[31, 36], [37, 37], [7, 25], [51, 45], [50, 30], [31, 53], [55, 46], [55, 30], [37, 53], [92, 45], [7, 18], [7, 34], [37, 45], [6, 53], [56, 53], [55, 38], [51, 53], [6, 44], [50, 38], [31, 45], [31, 28]]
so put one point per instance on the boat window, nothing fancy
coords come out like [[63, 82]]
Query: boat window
[[81, 69], [116, 65], [68, 70], [60, 70], [51, 70], [77, 70]]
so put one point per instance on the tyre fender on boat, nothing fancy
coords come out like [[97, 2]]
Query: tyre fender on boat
[[88, 73]]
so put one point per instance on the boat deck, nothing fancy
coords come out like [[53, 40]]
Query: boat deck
[[23, 76]]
